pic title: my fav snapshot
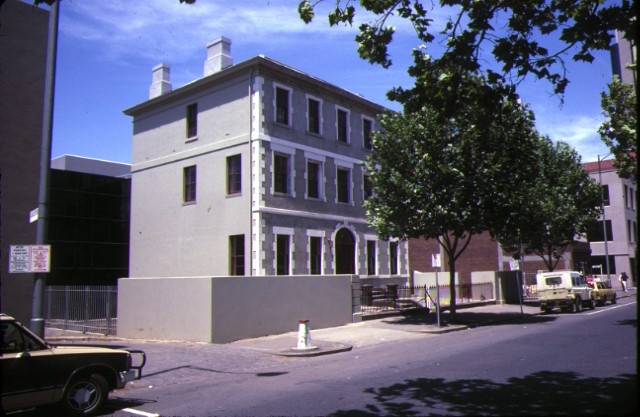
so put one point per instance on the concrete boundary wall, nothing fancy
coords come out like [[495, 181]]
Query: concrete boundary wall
[[224, 309]]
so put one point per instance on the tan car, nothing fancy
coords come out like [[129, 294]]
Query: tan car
[[78, 378], [602, 292]]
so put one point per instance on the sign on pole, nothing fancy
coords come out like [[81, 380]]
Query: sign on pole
[[435, 260], [29, 258]]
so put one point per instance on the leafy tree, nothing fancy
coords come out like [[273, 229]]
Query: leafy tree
[[558, 204], [619, 131], [450, 177], [512, 30]]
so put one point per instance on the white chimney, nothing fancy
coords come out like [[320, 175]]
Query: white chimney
[[218, 56], [160, 83]]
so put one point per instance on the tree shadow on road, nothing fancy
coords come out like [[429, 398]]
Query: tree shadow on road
[[541, 393], [471, 319]]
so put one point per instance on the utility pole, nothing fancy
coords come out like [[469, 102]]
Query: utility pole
[[37, 319]]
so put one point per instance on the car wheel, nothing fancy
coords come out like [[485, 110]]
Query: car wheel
[[603, 301], [592, 304], [614, 300], [86, 394], [577, 305]]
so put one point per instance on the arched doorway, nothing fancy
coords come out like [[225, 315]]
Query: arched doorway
[[345, 248]]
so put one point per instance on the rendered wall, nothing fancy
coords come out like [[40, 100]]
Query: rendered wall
[[224, 309]]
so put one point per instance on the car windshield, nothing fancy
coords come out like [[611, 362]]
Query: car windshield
[[16, 340]]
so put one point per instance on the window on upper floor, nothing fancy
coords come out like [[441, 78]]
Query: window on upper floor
[[596, 231], [234, 174], [367, 186], [371, 257], [283, 105], [314, 118], [367, 131], [342, 124], [189, 184], [283, 254], [281, 169], [314, 179], [236, 255], [315, 255], [343, 185], [605, 194], [192, 120]]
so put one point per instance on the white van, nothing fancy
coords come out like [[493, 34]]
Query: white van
[[567, 290]]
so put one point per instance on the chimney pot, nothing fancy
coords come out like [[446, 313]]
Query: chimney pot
[[218, 56], [160, 82]]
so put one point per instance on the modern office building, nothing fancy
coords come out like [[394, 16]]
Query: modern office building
[[88, 221], [254, 169]]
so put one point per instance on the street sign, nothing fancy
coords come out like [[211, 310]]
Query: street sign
[[515, 265], [29, 258], [435, 260]]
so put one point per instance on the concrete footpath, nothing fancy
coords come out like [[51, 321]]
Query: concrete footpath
[[368, 332]]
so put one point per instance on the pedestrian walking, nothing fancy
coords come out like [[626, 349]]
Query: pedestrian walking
[[623, 281]]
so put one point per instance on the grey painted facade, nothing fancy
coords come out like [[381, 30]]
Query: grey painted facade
[[280, 221], [23, 45]]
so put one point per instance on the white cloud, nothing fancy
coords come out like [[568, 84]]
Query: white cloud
[[127, 29], [581, 132]]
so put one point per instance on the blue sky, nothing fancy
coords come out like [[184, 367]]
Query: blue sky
[[106, 51]]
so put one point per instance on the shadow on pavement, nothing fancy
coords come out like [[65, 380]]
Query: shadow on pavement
[[466, 318], [541, 393]]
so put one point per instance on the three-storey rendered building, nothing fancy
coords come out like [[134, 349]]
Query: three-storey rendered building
[[254, 169]]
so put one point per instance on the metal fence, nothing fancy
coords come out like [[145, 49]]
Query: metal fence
[[375, 300], [82, 308]]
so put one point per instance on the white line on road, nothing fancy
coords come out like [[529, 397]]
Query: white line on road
[[611, 308], [140, 413]]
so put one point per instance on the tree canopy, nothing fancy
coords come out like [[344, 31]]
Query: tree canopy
[[449, 177], [556, 205], [619, 131], [523, 37]]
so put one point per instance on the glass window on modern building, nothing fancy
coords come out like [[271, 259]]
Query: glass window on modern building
[[189, 184], [236, 255], [595, 233]]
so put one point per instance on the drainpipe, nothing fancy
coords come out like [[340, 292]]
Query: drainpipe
[[251, 172]]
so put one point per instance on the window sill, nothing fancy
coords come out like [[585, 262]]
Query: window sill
[[233, 195], [191, 139], [189, 203]]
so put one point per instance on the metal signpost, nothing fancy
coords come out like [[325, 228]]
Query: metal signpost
[[435, 262]]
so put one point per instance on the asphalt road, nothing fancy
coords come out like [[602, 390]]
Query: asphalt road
[[557, 364], [554, 364]]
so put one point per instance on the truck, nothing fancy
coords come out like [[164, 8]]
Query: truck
[[567, 290]]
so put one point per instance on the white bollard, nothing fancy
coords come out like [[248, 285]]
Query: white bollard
[[304, 338]]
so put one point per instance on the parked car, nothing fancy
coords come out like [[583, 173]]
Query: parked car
[[567, 290], [78, 378], [601, 292]]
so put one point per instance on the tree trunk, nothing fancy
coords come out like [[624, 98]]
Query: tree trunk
[[452, 286]]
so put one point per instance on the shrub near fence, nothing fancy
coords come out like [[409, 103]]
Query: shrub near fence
[[82, 308]]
